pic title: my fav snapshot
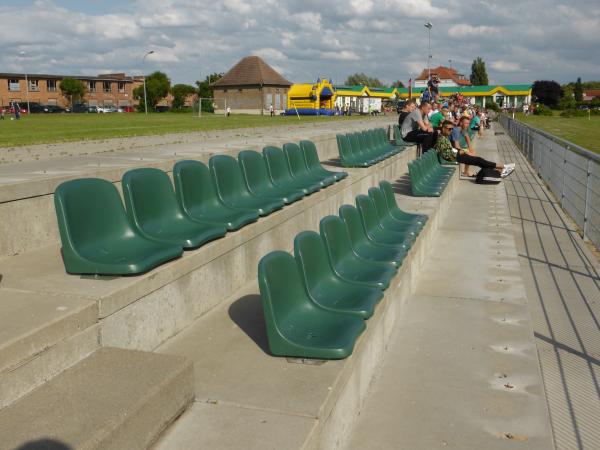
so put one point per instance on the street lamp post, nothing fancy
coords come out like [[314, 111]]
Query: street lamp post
[[26, 86], [429, 26], [145, 96]]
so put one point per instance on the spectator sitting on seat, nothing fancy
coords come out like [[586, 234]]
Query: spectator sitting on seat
[[449, 153], [475, 123], [435, 108], [416, 127], [437, 118], [461, 140], [409, 106]]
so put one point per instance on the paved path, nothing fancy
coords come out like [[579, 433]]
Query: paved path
[[563, 289], [462, 371]]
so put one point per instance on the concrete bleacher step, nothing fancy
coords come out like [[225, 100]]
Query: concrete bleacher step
[[113, 399], [40, 336], [280, 403]]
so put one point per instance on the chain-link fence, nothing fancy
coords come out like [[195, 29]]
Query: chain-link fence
[[571, 172]]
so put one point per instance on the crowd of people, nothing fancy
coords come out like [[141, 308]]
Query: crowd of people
[[448, 126]]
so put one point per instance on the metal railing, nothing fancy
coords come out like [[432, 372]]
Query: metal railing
[[571, 172]]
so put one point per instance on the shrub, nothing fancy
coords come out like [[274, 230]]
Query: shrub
[[492, 106], [574, 113], [542, 110]]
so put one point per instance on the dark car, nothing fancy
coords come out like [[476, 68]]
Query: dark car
[[36, 108], [55, 109], [82, 108], [162, 109]]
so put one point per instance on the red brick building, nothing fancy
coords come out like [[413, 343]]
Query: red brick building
[[114, 89], [251, 87]]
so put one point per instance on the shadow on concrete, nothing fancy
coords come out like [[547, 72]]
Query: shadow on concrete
[[44, 444], [402, 185], [333, 162], [247, 313]]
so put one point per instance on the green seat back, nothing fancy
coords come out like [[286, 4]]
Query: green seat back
[[153, 208], [351, 218], [228, 178], [255, 172], [296, 162], [295, 325], [97, 235], [198, 197], [311, 156], [277, 165], [366, 207]]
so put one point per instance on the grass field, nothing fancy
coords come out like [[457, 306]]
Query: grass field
[[579, 130], [46, 129]]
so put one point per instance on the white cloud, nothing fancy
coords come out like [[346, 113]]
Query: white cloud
[[272, 54], [466, 30], [506, 66]]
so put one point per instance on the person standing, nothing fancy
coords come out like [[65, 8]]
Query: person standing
[[17, 109], [272, 110], [228, 111]]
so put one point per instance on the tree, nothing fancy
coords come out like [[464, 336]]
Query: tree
[[397, 84], [360, 79], [478, 73], [180, 92], [205, 90], [72, 88], [578, 91], [547, 92], [158, 86]]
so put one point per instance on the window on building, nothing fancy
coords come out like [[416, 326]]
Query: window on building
[[93, 102], [34, 85], [121, 87], [106, 86], [13, 85], [277, 101], [268, 100], [51, 84], [52, 101], [91, 86]]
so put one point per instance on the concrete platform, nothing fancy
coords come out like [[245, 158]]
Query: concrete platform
[[462, 370], [114, 399], [313, 405], [562, 281]]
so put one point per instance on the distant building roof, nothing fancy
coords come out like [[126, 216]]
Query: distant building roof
[[103, 77], [476, 91], [252, 71], [590, 94], [445, 73]]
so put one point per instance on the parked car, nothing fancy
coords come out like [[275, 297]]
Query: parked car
[[11, 110], [107, 109], [37, 108], [83, 108], [127, 109], [162, 109], [55, 109]]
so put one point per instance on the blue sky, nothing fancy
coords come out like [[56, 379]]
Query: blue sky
[[519, 41]]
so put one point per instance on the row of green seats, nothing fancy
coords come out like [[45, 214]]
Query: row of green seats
[[365, 148], [428, 178], [160, 218], [315, 302]]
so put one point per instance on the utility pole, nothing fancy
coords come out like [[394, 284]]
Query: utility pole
[[429, 26], [26, 86], [145, 96]]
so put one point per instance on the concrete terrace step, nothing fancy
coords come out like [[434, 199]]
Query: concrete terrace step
[[276, 403], [41, 335], [114, 399], [141, 312]]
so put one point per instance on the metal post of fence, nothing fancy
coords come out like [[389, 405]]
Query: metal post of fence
[[564, 173], [588, 196]]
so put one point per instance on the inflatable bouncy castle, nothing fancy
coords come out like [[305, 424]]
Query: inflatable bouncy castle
[[311, 99]]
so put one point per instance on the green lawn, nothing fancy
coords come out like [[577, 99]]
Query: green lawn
[[49, 128], [579, 130]]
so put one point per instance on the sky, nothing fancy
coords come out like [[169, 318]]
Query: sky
[[519, 41]]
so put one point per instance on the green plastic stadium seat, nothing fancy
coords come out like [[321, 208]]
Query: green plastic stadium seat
[[280, 174], [361, 244], [257, 178], [232, 190], [324, 287], [388, 221], [153, 208], [299, 169], [394, 209], [97, 236], [373, 229], [347, 156], [345, 263], [197, 196], [296, 326], [314, 164]]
